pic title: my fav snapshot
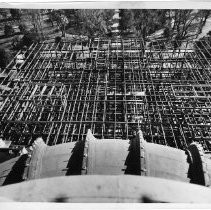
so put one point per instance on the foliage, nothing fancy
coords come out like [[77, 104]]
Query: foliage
[[61, 19], [204, 14], [127, 20], [166, 33], [209, 33], [17, 43], [187, 23], [8, 30], [88, 22], [29, 38], [15, 13], [23, 28], [176, 24], [142, 22], [5, 58], [4, 13], [94, 22], [55, 15], [149, 21], [34, 16], [58, 39]]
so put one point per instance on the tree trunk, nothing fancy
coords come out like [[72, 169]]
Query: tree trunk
[[52, 23], [40, 23], [205, 17], [63, 30]]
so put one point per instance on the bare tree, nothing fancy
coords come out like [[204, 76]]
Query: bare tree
[[188, 23], [94, 21], [60, 18], [36, 20], [204, 14], [4, 12], [142, 22]]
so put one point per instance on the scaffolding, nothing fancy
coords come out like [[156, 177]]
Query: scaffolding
[[113, 87]]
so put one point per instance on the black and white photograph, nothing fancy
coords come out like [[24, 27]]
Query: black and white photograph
[[105, 105]]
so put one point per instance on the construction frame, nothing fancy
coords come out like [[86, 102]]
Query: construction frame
[[114, 87]]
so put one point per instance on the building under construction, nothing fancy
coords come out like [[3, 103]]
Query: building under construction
[[113, 88]]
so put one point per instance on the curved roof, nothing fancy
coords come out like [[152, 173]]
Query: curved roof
[[98, 188]]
